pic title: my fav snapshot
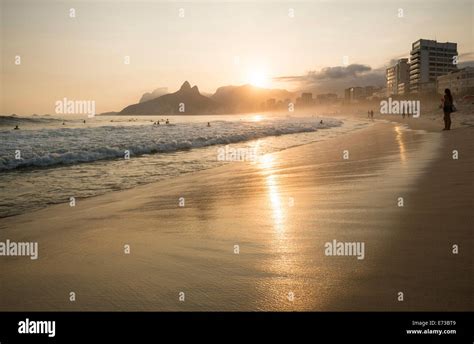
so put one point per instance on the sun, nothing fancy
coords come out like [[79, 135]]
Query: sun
[[258, 78]]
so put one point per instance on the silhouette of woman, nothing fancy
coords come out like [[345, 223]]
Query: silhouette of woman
[[448, 104]]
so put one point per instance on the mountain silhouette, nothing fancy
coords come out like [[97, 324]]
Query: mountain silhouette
[[186, 101], [158, 92], [227, 99]]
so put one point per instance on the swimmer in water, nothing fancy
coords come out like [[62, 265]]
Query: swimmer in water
[[208, 124], [16, 128], [167, 121]]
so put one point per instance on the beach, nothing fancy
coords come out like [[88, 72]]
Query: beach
[[251, 236]]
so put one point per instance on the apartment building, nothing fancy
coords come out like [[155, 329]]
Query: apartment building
[[430, 59], [396, 75]]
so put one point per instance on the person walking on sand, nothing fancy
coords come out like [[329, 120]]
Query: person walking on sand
[[448, 108]]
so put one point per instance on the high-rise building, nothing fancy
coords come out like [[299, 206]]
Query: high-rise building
[[355, 94], [271, 103], [396, 75], [326, 98], [391, 77], [403, 88], [306, 99], [429, 60]]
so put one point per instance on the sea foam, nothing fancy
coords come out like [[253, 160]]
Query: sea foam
[[65, 146]]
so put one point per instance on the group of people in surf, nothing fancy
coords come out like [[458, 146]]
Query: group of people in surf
[[161, 120]]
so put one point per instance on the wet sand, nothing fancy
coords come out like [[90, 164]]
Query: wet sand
[[280, 212]]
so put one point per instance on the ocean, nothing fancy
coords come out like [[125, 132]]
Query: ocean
[[50, 159]]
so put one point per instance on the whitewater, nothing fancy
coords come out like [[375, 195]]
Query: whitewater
[[50, 160], [49, 147]]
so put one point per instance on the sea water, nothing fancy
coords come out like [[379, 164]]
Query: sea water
[[51, 159]]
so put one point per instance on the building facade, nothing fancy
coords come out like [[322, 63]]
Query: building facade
[[460, 82], [355, 94], [396, 75], [430, 59], [306, 99], [326, 98], [403, 88]]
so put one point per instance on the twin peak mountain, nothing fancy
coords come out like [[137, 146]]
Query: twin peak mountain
[[189, 101]]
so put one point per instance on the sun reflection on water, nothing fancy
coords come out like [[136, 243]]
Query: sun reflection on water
[[257, 118]]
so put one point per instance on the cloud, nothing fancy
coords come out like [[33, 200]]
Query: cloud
[[466, 60], [337, 78], [328, 73], [467, 56]]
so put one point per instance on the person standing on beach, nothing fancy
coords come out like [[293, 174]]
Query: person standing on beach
[[448, 104]]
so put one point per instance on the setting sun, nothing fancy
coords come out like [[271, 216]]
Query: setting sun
[[258, 78]]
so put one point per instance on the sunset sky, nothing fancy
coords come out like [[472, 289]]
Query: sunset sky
[[214, 44]]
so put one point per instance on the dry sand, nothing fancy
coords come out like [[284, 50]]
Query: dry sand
[[281, 212]]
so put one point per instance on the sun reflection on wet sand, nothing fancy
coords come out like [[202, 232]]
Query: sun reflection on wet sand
[[281, 263], [401, 144], [267, 163], [276, 203]]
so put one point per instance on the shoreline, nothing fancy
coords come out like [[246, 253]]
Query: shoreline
[[177, 249], [165, 163]]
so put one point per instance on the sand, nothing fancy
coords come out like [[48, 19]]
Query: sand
[[280, 212]]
